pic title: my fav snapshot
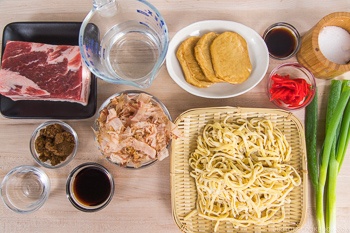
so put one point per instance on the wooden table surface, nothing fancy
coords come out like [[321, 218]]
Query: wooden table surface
[[142, 200]]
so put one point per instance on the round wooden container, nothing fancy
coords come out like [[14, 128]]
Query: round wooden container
[[310, 55]]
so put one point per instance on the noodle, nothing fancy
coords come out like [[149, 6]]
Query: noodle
[[240, 171]]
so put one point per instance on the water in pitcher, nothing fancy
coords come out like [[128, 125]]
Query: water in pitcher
[[130, 50]]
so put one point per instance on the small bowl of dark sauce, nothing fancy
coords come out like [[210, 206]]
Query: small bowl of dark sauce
[[90, 187], [282, 40]]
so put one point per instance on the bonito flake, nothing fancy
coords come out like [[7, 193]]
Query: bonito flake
[[133, 129]]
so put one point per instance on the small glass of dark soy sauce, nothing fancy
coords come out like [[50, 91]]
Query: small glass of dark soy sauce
[[90, 187], [282, 40]]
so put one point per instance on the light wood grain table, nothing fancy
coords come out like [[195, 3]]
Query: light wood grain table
[[142, 197]]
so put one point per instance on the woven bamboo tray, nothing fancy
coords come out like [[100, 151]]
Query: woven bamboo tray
[[183, 191]]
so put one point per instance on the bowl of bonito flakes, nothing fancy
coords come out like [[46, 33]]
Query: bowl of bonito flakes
[[133, 129]]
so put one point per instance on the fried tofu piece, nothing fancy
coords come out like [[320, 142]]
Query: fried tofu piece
[[192, 71], [230, 58], [203, 56]]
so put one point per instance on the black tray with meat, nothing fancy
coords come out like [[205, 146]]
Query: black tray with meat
[[54, 33]]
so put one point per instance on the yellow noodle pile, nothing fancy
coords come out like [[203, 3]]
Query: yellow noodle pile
[[241, 174]]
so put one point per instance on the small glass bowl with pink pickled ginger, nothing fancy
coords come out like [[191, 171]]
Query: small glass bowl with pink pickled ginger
[[291, 86]]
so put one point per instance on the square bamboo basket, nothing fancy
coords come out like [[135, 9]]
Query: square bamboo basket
[[183, 190]]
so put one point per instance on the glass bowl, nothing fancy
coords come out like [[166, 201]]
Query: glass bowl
[[25, 189], [292, 71], [282, 40], [104, 106], [36, 154], [90, 187]]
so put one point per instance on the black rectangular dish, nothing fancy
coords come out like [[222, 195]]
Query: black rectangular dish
[[57, 33]]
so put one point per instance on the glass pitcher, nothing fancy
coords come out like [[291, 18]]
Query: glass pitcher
[[124, 42]]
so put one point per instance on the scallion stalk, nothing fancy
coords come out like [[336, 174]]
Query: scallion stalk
[[311, 121], [333, 98], [344, 135], [337, 134], [331, 195]]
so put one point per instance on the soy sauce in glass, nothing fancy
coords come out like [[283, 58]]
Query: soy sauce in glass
[[282, 40], [91, 186]]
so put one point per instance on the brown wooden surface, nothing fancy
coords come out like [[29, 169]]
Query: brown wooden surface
[[142, 197]]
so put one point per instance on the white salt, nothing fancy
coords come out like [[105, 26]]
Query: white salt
[[334, 44]]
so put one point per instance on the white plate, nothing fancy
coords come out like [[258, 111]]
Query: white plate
[[257, 49]]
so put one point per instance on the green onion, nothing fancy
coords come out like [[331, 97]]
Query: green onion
[[344, 136], [311, 121], [332, 155], [333, 99]]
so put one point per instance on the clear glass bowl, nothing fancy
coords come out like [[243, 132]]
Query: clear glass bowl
[[130, 93], [36, 133], [90, 187], [25, 189], [294, 70], [282, 40]]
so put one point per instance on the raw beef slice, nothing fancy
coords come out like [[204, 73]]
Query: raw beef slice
[[35, 71]]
